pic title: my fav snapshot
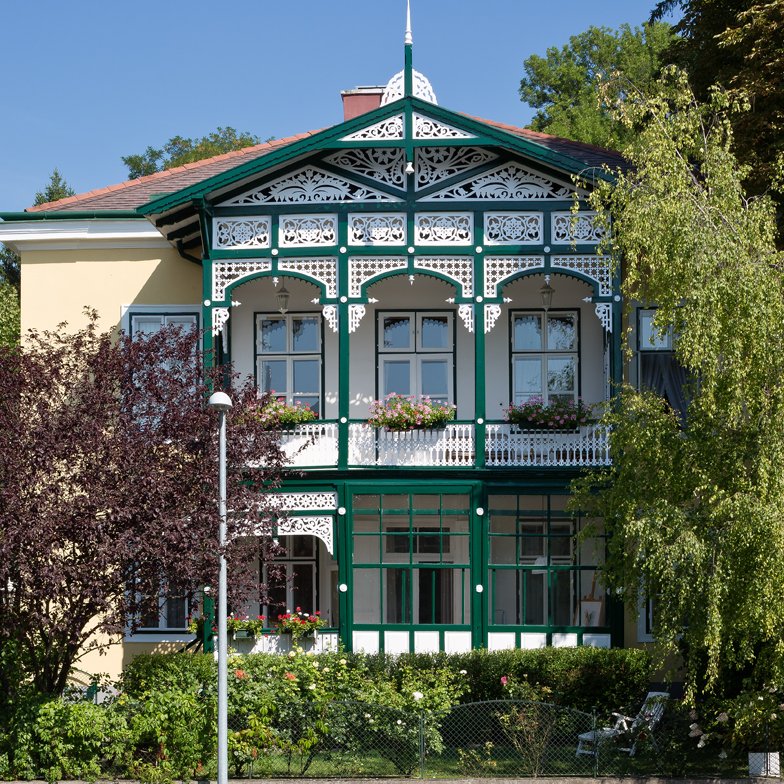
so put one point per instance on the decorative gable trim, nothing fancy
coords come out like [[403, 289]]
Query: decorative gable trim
[[309, 185], [508, 182], [428, 128], [434, 164], [383, 164], [388, 128]]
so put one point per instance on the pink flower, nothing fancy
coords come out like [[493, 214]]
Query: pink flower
[[504, 680]]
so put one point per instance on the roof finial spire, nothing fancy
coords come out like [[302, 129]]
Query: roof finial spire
[[408, 69]]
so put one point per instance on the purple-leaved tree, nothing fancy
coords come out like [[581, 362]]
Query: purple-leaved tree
[[108, 490]]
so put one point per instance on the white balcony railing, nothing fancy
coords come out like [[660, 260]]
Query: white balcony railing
[[312, 445], [452, 445], [315, 445], [508, 446]]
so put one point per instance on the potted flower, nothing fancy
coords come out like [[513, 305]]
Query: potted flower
[[400, 412], [243, 626], [276, 414], [535, 414], [300, 624]]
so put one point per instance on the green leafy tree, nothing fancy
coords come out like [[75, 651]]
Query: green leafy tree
[[738, 44], [9, 315], [9, 267], [179, 150], [693, 507], [57, 188], [563, 85]]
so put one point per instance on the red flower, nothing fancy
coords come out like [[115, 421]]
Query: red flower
[[318, 612], [299, 609], [290, 676], [240, 674]]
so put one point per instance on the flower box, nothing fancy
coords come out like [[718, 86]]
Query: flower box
[[565, 416], [398, 413]]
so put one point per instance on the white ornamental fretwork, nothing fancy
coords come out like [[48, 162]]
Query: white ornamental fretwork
[[466, 313], [510, 182], [324, 270], [383, 164], [361, 269], [434, 164], [355, 314], [597, 268], [391, 128], [219, 318], [377, 229], [603, 312], [581, 227], [428, 128], [458, 268], [501, 268], [492, 312], [320, 527], [330, 313], [224, 273], [444, 228], [304, 502], [307, 230], [396, 88], [309, 186], [241, 232], [513, 228]]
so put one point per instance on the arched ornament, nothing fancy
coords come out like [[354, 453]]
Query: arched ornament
[[500, 268], [320, 527], [324, 270], [226, 273], [309, 185], [315, 501], [434, 164], [362, 269], [391, 128], [396, 88], [460, 269], [382, 164], [596, 268]]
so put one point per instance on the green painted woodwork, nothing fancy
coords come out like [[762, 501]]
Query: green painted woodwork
[[208, 613]]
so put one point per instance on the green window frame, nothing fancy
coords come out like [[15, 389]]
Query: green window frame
[[541, 572], [411, 559]]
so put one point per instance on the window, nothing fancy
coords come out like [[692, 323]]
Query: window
[[545, 356], [658, 369], [170, 614], [416, 355], [410, 558], [291, 580], [541, 574], [288, 357], [150, 323]]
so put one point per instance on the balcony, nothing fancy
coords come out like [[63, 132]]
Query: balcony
[[315, 445]]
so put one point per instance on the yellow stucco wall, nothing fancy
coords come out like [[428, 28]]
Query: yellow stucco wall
[[58, 284]]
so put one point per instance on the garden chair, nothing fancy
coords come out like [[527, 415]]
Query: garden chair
[[645, 721]]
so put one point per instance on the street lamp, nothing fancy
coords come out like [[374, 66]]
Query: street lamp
[[221, 402]]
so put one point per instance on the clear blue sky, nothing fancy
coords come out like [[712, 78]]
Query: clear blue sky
[[87, 81]]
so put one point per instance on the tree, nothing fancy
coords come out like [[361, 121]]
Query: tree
[[739, 45], [179, 150], [693, 507], [108, 491], [9, 315], [9, 267], [57, 188], [563, 87]]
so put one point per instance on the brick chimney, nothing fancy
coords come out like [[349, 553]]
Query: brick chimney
[[360, 100]]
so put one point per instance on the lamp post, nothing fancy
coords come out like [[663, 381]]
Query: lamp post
[[221, 402]]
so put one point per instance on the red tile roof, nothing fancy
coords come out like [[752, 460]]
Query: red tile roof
[[133, 193]]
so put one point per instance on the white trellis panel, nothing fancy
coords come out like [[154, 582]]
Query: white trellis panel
[[597, 268], [241, 233], [307, 231], [452, 445], [507, 446], [224, 273], [500, 268], [513, 228], [434, 164], [383, 164], [444, 228], [377, 229], [567, 227], [312, 444], [391, 128]]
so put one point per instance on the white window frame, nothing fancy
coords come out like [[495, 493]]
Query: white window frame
[[544, 354], [661, 343], [288, 562], [416, 354], [129, 312], [290, 355]]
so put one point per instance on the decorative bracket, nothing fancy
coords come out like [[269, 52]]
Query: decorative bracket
[[355, 314], [320, 527], [492, 312], [330, 313], [466, 313], [603, 312]]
